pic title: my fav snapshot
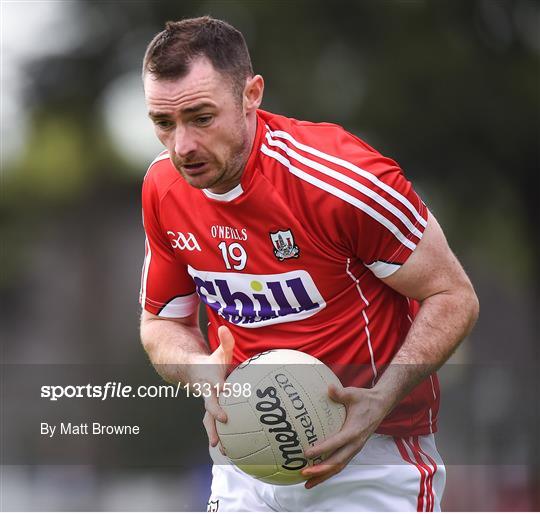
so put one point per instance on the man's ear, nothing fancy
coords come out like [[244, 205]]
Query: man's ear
[[253, 93]]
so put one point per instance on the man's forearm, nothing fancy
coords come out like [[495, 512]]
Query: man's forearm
[[441, 324], [173, 348]]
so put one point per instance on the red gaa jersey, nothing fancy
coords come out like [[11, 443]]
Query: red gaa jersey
[[293, 256]]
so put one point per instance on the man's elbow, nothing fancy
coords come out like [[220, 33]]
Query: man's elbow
[[471, 305], [145, 332]]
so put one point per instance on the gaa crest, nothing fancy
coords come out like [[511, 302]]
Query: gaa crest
[[284, 246]]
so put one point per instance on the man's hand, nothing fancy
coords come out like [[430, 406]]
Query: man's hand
[[179, 353], [213, 370], [365, 411]]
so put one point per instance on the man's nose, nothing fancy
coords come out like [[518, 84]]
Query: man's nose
[[184, 142]]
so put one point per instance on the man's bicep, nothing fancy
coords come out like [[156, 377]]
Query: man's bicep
[[431, 269]]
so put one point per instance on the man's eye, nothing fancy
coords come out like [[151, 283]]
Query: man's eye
[[163, 124], [204, 120]]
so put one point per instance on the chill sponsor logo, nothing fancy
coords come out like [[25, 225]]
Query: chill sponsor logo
[[258, 300], [275, 416], [180, 241]]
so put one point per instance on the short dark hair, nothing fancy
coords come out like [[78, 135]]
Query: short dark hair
[[170, 54]]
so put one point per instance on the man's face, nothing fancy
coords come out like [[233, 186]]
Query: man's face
[[202, 125]]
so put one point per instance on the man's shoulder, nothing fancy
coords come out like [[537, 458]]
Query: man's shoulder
[[325, 137], [325, 155], [161, 174]]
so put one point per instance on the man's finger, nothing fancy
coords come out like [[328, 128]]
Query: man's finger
[[212, 406], [312, 482], [226, 341], [210, 426], [342, 394], [331, 444], [330, 467], [337, 460], [324, 474], [223, 354]]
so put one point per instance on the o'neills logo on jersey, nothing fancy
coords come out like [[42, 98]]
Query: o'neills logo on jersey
[[258, 300], [223, 232]]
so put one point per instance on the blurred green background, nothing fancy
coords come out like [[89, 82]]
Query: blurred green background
[[449, 89]]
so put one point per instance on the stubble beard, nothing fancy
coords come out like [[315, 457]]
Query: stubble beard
[[234, 167], [230, 172]]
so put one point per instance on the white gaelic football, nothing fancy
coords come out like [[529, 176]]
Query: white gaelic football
[[286, 411]]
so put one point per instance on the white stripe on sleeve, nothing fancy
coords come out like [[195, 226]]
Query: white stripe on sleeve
[[180, 307], [146, 268], [348, 181], [340, 194], [383, 269], [355, 169]]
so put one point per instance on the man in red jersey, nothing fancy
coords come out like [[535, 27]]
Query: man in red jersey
[[295, 235]]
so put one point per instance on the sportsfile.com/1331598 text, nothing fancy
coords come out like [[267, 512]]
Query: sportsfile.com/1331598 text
[[115, 390]]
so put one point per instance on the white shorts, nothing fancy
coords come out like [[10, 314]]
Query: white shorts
[[389, 474]]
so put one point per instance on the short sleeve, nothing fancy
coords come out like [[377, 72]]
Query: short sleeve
[[389, 219], [167, 290]]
